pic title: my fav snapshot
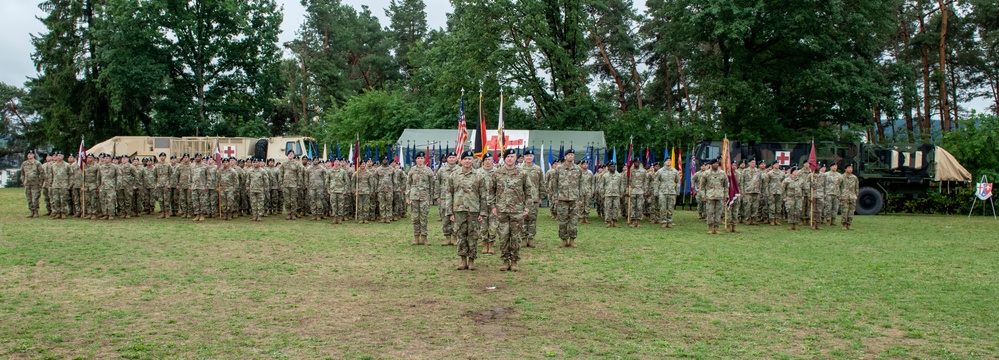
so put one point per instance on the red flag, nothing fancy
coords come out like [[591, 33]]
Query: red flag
[[357, 154], [811, 158], [631, 147], [218, 154], [733, 184]]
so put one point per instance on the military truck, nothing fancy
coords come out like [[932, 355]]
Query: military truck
[[238, 147], [906, 170]]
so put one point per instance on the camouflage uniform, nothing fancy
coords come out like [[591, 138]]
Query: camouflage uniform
[[366, 185], [465, 198], [126, 184], [536, 178], [199, 190], [149, 192], [303, 191], [31, 177], [598, 191], [637, 186], [667, 180], [420, 185], [791, 187], [696, 181], [47, 185], [76, 189], [713, 186], [613, 190], [753, 188], [175, 190], [818, 183], [274, 198], [832, 196], [489, 227], [849, 185], [257, 182], [212, 188], [338, 184], [566, 187], [107, 179], [163, 173], [317, 188], [183, 174], [442, 173], [92, 202], [228, 183], [59, 187], [806, 190], [586, 194], [511, 194], [775, 179], [399, 193], [291, 174], [385, 180]]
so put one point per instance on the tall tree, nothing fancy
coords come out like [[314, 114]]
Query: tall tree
[[407, 26]]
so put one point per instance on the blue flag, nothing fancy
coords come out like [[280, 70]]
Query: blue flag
[[367, 151]]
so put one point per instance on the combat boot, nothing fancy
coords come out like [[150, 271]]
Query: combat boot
[[849, 227], [464, 263], [717, 232], [711, 230], [471, 264], [790, 227], [110, 217], [564, 243], [506, 265], [794, 226], [572, 242], [513, 266], [423, 240], [663, 226], [416, 240], [447, 240], [734, 230], [669, 225], [845, 227], [606, 223], [530, 243], [62, 216]]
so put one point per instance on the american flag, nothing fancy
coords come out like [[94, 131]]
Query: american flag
[[462, 129]]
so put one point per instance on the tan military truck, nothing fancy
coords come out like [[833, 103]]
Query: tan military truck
[[238, 147]]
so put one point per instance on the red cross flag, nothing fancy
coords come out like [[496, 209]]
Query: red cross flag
[[229, 150], [784, 158]]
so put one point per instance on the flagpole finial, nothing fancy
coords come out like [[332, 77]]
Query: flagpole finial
[[462, 91]]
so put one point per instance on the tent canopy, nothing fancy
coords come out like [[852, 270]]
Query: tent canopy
[[946, 167]]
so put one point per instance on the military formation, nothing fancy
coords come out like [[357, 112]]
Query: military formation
[[483, 203]]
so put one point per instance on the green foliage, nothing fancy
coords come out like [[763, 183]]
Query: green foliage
[[976, 145], [378, 116]]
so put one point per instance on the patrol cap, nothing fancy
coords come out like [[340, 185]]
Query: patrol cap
[[570, 151], [467, 154], [510, 152], [421, 154]]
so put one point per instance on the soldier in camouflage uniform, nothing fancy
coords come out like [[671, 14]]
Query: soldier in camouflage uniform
[[420, 181], [303, 187], [291, 173], [399, 194], [586, 192], [126, 180], [466, 200], [849, 186], [162, 173], [199, 189], [713, 186], [228, 183], [637, 191], [566, 186], [443, 172], [791, 188], [832, 195], [31, 178], [511, 195], [695, 182], [257, 182], [385, 180], [274, 195], [818, 194], [59, 186], [774, 191], [598, 189], [183, 174], [751, 191], [668, 182], [488, 228], [92, 203], [613, 190], [175, 208], [149, 181], [366, 185], [212, 184], [534, 175], [652, 200], [76, 187], [137, 186], [316, 176], [340, 191], [107, 187], [47, 183]]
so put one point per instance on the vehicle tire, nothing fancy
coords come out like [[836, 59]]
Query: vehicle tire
[[869, 201], [260, 149]]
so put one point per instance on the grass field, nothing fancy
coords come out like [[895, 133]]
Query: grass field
[[897, 287]]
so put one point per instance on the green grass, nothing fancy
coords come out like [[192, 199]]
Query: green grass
[[897, 287]]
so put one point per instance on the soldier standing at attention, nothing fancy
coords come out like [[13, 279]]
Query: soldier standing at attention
[[257, 182], [76, 186], [274, 193], [316, 175], [849, 185], [162, 172], [420, 181], [175, 208], [366, 184], [700, 198], [290, 174], [791, 188], [566, 181], [385, 180], [637, 191], [399, 194], [59, 186], [668, 180], [340, 185], [775, 199], [212, 187], [465, 199], [832, 194], [228, 180], [107, 188], [183, 187], [47, 183], [511, 194], [818, 194], [598, 189], [93, 208], [149, 180], [652, 198], [31, 178], [753, 186], [488, 227], [613, 190], [586, 192], [124, 186], [535, 176], [713, 186], [199, 189], [442, 173]]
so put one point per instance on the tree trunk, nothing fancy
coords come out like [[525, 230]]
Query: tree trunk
[[924, 130], [669, 86], [683, 81], [305, 106], [617, 79], [944, 113], [638, 83], [876, 118]]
